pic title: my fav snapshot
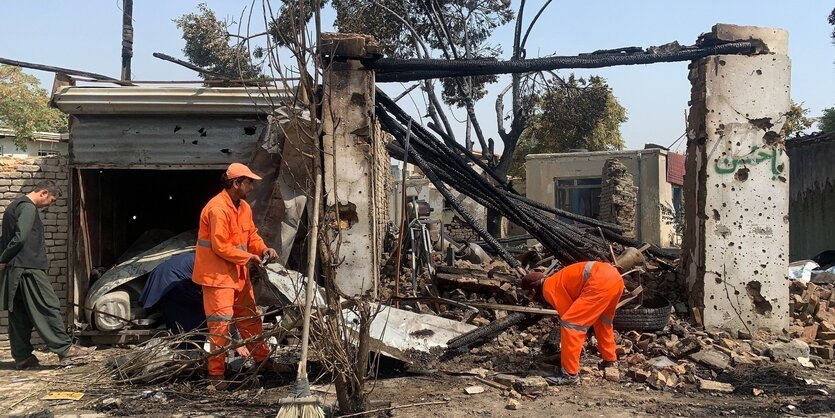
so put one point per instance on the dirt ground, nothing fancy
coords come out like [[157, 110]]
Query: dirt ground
[[787, 390]]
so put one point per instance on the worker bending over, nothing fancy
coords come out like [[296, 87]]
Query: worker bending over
[[227, 241], [585, 295]]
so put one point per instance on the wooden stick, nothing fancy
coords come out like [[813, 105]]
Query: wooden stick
[[491, 383], [68, 71], [412, 405], [311, 264], [500, 386], [31, 394], [188, 65], [513, 308]]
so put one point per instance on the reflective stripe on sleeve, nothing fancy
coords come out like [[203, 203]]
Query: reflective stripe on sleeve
[[605, 320], [218, 318], [208, 244]]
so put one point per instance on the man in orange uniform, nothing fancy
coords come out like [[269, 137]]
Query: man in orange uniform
[[227, 242], [585, 295]]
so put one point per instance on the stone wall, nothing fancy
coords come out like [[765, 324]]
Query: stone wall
[[18, 176]]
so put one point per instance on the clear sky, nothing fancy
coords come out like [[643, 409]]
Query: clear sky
[[86, 35]]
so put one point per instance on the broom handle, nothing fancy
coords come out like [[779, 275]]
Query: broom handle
[[311, 266]]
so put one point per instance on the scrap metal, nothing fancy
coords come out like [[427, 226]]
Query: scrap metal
[[445, 167]]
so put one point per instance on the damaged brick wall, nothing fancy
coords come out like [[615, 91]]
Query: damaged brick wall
[[18, 176], [618, 197], [460, 231]]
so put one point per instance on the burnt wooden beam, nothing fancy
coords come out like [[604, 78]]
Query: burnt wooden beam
[[62, 70]]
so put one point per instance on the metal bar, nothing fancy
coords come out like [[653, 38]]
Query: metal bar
[[402, 217], [463, 212]]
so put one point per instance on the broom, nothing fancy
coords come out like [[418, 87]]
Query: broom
[[301, 404]]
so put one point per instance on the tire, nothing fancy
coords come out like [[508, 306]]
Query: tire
[[653, 316], [488, 331]]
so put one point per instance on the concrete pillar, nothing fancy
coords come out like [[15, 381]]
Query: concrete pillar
[[356, 165], [735, 249]]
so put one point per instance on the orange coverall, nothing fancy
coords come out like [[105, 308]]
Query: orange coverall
[[585, 294], [225, 241]]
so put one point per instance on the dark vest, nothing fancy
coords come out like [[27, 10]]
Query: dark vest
[[33, 253]]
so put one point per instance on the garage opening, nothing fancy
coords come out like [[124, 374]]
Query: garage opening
[[120, 213], [120, 206]]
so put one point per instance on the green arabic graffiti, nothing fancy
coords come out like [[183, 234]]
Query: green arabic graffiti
[[754, 157]]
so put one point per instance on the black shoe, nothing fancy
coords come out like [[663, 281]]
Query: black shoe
[[606, 364], [27, 363]]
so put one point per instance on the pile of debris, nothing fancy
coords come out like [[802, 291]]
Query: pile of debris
[[689, 356], [812, 309]]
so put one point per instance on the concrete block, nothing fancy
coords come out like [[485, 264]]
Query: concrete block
[[790, 350], [776, 40], [736, 242]]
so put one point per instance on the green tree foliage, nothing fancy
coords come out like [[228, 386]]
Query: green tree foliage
[[577, 113], [832, 22], [459, 28], [797, 120], [826, 123], [208, 45], [24, 106]]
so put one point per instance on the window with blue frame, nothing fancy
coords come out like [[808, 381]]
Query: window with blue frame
[[579, 195]]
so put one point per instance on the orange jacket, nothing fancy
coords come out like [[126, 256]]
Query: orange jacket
[[225, 241], [565, 286]]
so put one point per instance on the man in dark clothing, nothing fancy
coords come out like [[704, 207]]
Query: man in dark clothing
[[25, 290], [169, 287]]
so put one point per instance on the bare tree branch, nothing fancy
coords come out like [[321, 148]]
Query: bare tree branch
[[500, 110], [436, 112], [531, 25]]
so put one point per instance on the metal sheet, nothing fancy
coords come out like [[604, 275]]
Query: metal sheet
[[169, 100], [394, 332], [285, 287], [126, 141], [398, 333]]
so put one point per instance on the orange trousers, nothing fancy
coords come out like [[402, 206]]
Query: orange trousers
[[585, 295], [222, 307]]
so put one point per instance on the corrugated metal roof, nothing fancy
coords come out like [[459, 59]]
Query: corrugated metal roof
[[39, 136], [168, 100], [813, 138], [127, 140], [583, 154]]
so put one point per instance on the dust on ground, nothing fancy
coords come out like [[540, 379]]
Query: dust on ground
[[786, 390]]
